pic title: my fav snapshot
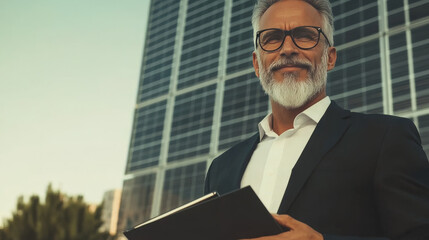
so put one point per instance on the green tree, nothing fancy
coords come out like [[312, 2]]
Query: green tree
[[59, 217]]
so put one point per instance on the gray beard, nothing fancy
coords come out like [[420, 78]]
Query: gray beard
[[292, 93]]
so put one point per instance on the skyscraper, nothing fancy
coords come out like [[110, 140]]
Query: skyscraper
[[198, 94]]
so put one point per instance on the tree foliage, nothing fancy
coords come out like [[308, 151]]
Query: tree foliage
[[60, 217]]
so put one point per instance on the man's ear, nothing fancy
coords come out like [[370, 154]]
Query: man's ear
[[332, 57], [255, 63]]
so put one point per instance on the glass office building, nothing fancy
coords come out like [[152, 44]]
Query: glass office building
[[198, 94]]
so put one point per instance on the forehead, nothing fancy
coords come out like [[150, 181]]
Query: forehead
[[288, 14]]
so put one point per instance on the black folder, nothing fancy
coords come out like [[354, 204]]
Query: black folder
[[236, 215]]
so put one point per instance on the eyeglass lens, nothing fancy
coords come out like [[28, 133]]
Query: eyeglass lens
[[303, 37]]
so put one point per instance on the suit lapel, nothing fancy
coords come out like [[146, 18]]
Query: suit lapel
[[327, 133], [238, 158]]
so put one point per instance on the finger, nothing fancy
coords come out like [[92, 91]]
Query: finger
[[286, 220], [259, 238], [270, 237]]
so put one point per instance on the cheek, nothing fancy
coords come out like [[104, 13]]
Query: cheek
[[315, 59], [268, 60]]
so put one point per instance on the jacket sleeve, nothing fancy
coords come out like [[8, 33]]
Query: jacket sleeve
[[401, 185]]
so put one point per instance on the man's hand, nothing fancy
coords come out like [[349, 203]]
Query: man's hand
[[298, 230]]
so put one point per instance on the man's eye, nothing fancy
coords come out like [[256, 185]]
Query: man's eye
[[305, 35], [272, 38]]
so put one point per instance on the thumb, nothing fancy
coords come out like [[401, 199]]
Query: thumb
[[285, 220]]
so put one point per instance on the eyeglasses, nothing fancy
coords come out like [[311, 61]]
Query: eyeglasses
[[304, 37]]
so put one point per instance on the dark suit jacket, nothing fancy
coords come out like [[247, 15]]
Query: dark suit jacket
[[358, 176]]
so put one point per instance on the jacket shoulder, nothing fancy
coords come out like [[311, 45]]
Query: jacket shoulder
[[238, 148], [381, 119]]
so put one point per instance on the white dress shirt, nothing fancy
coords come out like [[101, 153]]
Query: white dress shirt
[[271, 164]]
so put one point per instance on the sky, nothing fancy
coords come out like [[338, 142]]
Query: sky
[[69, 73]]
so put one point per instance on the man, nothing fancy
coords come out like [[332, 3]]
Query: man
[[327, 172]]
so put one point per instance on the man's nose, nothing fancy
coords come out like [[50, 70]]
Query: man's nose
[[289, 48]]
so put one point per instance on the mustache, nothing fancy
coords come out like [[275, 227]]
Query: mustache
[[290, 61]]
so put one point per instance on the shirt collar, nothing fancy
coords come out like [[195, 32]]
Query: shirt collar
[[314, 113]]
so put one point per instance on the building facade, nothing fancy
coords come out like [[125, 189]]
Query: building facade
[[198, 94], [110, 213]]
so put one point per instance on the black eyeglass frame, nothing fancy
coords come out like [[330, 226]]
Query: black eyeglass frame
[[289, 33]]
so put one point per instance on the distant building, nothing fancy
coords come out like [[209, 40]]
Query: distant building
[[111, 203], [198, 94], [92, 207]]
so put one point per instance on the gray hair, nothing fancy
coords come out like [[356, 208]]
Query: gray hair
[[322, 6]]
